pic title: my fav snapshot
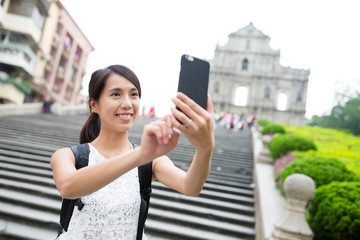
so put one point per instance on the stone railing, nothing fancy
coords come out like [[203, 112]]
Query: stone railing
[[292, 225], [279, 218], [36, 108]]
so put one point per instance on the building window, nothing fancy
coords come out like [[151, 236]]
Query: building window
[[68, 43], [2, 36], [248, 44], [245, 64], [241, 96], [216, 88], [72, 74], [299, 97], [267, 93], [27, 9], [78, 54], [282, 101]]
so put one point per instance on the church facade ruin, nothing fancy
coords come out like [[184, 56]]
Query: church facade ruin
[[246, 77]]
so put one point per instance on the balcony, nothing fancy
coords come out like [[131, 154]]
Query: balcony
[[20, 57], [25, 25]]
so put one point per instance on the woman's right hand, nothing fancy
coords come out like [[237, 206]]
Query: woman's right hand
[[158, 138]]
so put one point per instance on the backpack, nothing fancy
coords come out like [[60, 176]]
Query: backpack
[[81, 153]]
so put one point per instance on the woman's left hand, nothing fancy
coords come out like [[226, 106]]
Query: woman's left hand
[[197, 122]]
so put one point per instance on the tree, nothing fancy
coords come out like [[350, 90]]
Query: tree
[[345, 115]]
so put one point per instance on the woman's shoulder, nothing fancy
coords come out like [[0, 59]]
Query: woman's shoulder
[[63, 153]]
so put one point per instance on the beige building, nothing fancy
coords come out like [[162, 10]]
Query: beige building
[[43, 53], [246, 77]]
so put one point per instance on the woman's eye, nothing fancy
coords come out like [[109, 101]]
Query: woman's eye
[[115, 94]]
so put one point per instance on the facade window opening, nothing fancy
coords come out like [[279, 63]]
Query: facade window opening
[[27, 9], [248, 44], [267, 93], [299, 97], [216, 88], [245, 64], [68, 43], [241, 96], [282, 102], [78, 54]]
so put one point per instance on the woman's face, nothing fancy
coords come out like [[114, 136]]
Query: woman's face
[[118, 105]]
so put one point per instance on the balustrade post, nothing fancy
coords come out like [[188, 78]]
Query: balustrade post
[[292, 225]]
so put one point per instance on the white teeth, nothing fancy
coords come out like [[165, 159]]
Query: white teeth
[[124, 116]]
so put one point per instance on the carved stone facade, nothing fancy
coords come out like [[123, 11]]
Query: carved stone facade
[[246, 77]]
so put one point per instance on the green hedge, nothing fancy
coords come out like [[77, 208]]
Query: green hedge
[[272, 128], [334, 211], [282, 144], [263, 122], [322, 170]]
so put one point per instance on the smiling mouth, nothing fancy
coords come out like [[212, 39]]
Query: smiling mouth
[[124, 116]]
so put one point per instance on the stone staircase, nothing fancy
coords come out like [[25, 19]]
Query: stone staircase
[[30, 203]]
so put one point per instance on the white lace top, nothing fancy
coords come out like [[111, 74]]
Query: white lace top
[[112, 212]]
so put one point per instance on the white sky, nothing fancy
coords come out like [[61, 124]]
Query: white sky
[[150, 37]]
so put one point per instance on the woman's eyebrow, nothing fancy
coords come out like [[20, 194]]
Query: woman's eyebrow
[[116, 89]]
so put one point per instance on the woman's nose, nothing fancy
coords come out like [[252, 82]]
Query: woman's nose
[[126, 103]]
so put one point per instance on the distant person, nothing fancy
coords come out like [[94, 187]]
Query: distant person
[[109, 186], [152, 113], [46, 107]]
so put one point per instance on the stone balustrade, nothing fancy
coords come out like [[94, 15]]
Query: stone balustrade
[[299, 189]]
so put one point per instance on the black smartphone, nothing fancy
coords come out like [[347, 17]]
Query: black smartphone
[[194, 79]]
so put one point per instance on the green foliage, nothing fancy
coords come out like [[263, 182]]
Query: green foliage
[[342, 116], [262, 122], [272, 128], [282, 144], [334, 211], [322, 170], [331, 143]]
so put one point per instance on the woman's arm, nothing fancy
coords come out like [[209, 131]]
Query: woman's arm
[[200, 135], [73, 183]]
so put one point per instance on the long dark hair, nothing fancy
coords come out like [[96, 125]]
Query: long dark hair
[[91, 128]]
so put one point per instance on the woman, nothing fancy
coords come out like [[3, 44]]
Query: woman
[[108, 186]]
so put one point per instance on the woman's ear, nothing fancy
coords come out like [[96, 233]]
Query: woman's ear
[[93, 105]]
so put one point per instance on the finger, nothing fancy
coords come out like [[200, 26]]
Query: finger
[[153, 129], [179, 116], [168, 121], [209, 107], [163, 128], [191, 103]]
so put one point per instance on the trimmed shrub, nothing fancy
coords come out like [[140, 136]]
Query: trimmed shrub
[[272, 128], [263, 122], [322, 170], [334, 211], [284, 143]]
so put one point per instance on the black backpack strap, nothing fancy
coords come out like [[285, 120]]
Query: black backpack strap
[[81, 154], [145, 177]]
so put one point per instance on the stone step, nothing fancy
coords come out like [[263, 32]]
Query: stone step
[[204, 202], [204, 212], [201, 223], [45, 191], [22, 177], [30, 200], [17, 229], [24, 169], [174, 231], [25, 163]]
